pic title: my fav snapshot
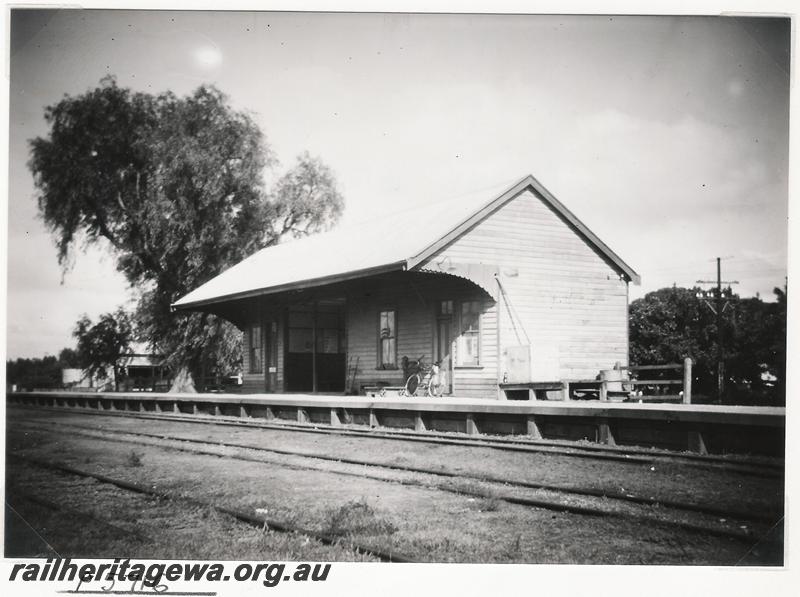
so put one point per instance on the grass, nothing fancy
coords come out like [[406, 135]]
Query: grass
[[482, 498], [468, 487], [514, 549], [487, 504], [134, 459], [143, 527], [356, 517]]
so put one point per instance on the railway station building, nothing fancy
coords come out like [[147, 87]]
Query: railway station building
[[505, 288]]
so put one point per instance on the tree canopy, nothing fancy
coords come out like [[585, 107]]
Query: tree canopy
[[175, 185], [101, 344], [670, 324], [41, 373]]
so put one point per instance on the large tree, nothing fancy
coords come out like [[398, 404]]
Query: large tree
[[35, 373], [670, 324], [102, 344], [757, 358], [176, 186]]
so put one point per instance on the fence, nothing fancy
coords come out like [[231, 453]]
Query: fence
[[685, 382], [620, 384]]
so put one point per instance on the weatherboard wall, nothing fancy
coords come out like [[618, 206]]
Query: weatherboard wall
[[562, 293], [415, 297], [264, 313]]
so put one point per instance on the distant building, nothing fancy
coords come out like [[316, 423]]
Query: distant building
[[140, 370], [498, 287]]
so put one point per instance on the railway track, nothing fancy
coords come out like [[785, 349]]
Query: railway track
[[758, 467], [728, 530], [241, 515], [76, 514]]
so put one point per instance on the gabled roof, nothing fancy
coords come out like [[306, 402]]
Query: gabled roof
[[390, 242]]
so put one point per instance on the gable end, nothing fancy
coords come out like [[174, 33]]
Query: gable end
[[528, 183]]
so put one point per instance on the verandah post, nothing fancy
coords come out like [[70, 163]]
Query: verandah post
[[687, 380], [603, 386]]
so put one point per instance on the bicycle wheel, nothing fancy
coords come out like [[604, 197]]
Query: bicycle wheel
[[412, 383]]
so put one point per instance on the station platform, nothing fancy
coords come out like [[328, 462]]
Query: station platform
[[697, 427]]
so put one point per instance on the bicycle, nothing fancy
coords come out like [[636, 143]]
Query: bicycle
[[429, 380]]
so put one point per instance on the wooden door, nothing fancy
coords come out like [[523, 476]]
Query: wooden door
[[299, 359], [444, 341]]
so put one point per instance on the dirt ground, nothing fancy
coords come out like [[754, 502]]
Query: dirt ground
[[416, 519]]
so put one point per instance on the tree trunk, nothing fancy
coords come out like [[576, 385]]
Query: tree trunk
[[183, 382]]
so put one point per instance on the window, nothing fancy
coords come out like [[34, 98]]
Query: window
[[387, 340], [256, 349], [468, 348], [329, 337], [301, 329]]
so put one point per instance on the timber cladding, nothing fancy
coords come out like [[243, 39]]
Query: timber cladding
[[570, 301], [414, 297]]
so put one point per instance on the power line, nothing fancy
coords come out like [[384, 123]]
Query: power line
[[718, 300], [744, 269]]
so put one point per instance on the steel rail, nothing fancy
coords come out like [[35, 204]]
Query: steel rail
[[759, 468], [547, 504], [241, 515]]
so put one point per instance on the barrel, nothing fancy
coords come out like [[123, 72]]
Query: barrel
[[614, 388]]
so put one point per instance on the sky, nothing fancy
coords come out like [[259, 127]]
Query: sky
[[667, 136]]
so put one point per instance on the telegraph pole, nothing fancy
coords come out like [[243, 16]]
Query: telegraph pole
[[719, 307]]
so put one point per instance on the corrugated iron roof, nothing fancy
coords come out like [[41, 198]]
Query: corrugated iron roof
[[139, 348], [393, 240]]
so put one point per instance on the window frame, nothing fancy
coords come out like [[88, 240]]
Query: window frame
[[379, 360], [251, 348], [440, 313], [459, 363]]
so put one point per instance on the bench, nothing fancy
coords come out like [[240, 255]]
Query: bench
[[381, 390], [531, 390]]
